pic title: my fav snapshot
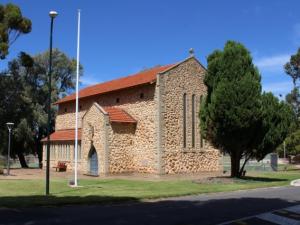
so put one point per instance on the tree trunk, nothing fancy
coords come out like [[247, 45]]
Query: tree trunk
[[235, 165], [244, 164], [22, 160]]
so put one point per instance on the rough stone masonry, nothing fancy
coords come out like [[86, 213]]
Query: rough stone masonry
[[147, 123]]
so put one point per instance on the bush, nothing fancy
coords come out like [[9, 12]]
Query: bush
[[2, 164], [292, 144]]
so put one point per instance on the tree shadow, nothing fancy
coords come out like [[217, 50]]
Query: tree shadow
[[53, 200], [192, 210], [226, 179], [263, 179]]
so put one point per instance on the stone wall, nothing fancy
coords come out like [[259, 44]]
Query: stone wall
[[93, 134], [191, 161], [65, 118], [121, 151], [185, 78], [142, 108], [143, 111]]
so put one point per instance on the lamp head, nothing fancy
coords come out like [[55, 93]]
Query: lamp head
[[53, 14], [9, 125]]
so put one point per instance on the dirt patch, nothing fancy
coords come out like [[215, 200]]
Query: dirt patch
[[24, 174], [215, 180]]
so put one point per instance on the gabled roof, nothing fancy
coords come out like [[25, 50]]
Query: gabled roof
[[115, 115], [144, 77], [63, 135], [118, 115]]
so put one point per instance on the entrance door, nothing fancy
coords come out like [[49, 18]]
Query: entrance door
[[93, 161]]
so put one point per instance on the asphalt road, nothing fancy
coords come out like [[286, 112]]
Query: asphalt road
[[191, 210]]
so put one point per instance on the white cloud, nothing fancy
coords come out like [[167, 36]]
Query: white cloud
[[87, 80], [273, 63], [282, 87]]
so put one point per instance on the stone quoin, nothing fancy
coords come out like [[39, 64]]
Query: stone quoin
[[144, 123]]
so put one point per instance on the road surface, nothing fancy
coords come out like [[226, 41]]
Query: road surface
[[191, 210]]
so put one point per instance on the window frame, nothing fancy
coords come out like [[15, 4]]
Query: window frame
[[193, 121], [184, 120]]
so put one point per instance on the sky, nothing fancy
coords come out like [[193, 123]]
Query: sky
[[119, 38]]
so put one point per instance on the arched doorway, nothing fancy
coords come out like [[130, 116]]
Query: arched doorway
[[93, 162]]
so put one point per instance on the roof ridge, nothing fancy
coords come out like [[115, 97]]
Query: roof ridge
[[128, 76], [131, 80]]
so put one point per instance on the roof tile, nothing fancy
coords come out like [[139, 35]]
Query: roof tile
[[63, 135], [115, 115], [118, 115], [140, 78]]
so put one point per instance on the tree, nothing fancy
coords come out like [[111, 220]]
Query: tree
[[292, 68], [293, 99], [292, 144], [24, 94], [12, 25], [235, 116]]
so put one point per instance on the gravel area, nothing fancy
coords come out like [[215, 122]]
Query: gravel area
[[19, 174]]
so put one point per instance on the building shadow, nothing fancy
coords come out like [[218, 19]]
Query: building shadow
[[108, 210]]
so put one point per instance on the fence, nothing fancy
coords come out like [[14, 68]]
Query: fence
[[31, 160], [269, 163]]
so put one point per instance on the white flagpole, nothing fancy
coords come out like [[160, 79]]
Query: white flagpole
[[76, 122]]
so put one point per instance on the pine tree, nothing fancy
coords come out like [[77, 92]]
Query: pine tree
[[232, 115]]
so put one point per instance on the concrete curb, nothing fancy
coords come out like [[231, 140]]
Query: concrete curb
[[295, 183]]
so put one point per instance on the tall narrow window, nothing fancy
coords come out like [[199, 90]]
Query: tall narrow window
[[61, 151], [51, 150], [193, 121], [68, 151], [54, 152], [201, 138], [58, 153], [184, 120], [79, 151]]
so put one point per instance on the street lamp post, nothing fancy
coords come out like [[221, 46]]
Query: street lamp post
[[52, 15], [9, 127]]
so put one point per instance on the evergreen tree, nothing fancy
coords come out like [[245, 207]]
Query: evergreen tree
[[234, 116]]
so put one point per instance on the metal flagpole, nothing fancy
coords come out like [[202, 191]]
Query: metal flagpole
[[76, 122]]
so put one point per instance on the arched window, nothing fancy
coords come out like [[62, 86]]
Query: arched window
[[193, 121], [184, 120]]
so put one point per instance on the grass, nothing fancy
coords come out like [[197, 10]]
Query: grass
[[287, 167], [25, 193]]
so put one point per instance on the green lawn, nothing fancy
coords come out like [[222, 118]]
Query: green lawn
[[23, 193]]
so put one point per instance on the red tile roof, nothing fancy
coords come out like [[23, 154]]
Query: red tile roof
[[63, 135], [118, 115], [140, 78], [115, 115]]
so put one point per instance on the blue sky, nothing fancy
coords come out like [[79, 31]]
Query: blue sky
[[122, 37]]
